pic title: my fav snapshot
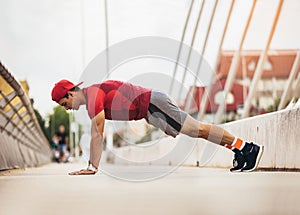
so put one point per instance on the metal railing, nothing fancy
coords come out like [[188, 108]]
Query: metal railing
[[22, 142]]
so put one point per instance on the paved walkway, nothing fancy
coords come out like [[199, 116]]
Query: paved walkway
[[188, 190]]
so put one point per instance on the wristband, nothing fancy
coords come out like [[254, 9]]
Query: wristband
[[92, 168]]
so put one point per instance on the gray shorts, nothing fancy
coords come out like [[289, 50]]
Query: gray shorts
[[163, 113]]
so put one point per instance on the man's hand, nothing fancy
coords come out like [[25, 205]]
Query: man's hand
[[83, 172]]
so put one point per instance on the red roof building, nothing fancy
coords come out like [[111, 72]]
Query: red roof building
[[276, 71], [235, 97], [279, 64]]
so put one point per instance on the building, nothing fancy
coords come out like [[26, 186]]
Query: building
[[276, 71]]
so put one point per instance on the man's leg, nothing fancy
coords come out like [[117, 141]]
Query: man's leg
[[166, 115], [212, 133], [247, 155]]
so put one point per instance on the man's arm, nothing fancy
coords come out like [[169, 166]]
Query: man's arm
[[97, 138], [95, 144]]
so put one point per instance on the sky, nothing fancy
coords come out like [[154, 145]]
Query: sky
[[49, 40]]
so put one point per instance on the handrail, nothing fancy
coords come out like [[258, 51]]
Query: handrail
[[22, 141]]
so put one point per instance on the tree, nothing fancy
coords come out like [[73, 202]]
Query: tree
[[59, 117], [40, 119]]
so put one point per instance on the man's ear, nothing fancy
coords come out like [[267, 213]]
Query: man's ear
[[71, 93]]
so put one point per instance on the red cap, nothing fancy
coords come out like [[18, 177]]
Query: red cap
[[61, 88]]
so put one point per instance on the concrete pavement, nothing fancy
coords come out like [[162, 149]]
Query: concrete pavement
[[188, 190]]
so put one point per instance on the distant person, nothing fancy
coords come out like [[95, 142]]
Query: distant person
[[61, 140], [116, 100]]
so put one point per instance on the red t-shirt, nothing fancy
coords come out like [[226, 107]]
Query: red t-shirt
[[119, 100]]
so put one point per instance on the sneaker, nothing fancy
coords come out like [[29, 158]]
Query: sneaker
[[252, 154], [238, 161]]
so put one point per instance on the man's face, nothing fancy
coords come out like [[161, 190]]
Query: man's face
[[61, 129], [70, 103]]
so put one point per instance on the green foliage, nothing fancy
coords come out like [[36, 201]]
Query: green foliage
[[41, 121], [59, 117], [147, 136], [274, 107]]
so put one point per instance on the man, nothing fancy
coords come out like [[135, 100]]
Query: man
[[61, 138], [116, 100]]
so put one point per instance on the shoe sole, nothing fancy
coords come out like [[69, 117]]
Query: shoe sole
[[261, 150], [238, 170]]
